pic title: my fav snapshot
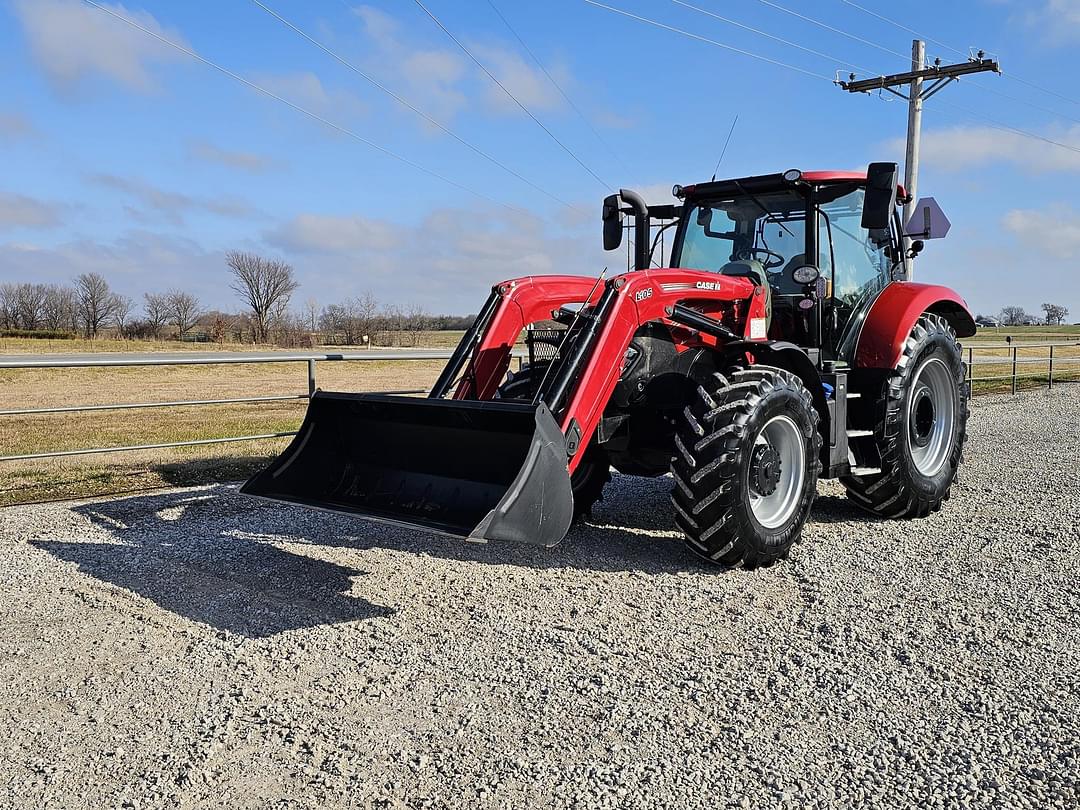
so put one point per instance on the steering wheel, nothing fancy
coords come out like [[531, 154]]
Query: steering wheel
[[772, 261]]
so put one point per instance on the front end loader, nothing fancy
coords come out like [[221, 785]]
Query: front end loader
[[783, 344]]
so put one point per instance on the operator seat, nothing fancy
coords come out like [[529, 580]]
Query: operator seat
[[755, 271]]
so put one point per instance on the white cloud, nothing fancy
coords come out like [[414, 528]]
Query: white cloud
[[446, 261], [20, 211], [14, 126], [528, 84], [441, 80], [431, 75], [315, 233], [138, 262], [1057, 20], [1050, 232], [71, 40], [245, 161], [171, 206], [307, 90], [964, 147]]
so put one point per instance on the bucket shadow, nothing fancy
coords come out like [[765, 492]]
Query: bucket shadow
[[188, 553], [215, 556]]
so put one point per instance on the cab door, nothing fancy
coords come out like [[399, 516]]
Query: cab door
[[856, 264]]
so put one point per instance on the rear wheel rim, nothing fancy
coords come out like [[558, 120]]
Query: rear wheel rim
[[780, 439], [932, 416]]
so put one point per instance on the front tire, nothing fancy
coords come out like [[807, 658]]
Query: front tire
[[746, 467], [920, 426]]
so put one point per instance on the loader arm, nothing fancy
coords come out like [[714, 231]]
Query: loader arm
[[578, 393]]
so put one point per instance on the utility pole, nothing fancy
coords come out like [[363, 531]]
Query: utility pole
[[914, 127], [935, 77]]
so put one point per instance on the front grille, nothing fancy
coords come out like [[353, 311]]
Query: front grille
[[543, 344]]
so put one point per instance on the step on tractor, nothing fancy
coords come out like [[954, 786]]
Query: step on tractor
[[782, 344]]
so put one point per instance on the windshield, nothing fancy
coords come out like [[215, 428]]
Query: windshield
[[769, 229]]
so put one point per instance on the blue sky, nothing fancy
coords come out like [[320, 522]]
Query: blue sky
[[126, 157]]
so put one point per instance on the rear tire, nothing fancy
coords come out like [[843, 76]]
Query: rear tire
[[746, 467], [920, 426], [594, 470]]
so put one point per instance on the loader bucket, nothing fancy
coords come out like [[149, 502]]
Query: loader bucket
[[479, 470]]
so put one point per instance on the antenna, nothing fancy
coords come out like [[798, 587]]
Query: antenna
[[726, 142]]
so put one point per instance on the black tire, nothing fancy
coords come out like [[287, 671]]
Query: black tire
[[594, 471], [906, 416], [718, 446]]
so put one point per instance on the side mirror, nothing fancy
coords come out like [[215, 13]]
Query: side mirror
[[879, 201], [613, 222]]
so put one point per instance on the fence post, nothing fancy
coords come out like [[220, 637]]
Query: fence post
[[1014, 370], [971, 366], [310, 377], [1050, 375]]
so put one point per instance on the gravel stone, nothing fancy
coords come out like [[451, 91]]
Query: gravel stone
[[195, 648]]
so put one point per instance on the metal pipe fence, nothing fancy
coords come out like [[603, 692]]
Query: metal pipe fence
[[308, 360], [1036, 365], [1066, 363]]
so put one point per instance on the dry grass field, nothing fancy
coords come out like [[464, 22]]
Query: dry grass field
[[80, 476], [76, 476]]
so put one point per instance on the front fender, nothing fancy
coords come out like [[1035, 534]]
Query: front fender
[[895, 312]]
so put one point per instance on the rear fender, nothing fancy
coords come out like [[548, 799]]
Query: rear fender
[[893, 315]]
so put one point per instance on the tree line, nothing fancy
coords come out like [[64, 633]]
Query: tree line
[[89, 306], [1053, 315]]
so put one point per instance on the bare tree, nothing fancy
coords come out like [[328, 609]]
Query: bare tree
[[311, 315], [156, 309], [1013, 316], [9, 312], [30, 305], [58, 311], [1055, 314], [264, 285], [121, 306], [414, 321], [183, 310], [221, 327], [94, 302]]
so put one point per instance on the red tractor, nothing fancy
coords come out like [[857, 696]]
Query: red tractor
[[783, 344]]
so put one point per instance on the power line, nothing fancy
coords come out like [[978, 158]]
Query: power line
[[1001, 125], [556, 85], [315, 116], [405, 103], [828, 27], [514, 98], [726, 47], [983, 87], [903, 27], [758, 31], [940, 44]]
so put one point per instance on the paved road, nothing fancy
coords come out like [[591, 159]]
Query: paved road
[[155, 358]]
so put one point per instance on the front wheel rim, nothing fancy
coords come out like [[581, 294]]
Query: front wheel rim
[[781, 439], [932, 416]]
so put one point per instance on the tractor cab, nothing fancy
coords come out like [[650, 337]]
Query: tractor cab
[[822, 244], [809, 238]]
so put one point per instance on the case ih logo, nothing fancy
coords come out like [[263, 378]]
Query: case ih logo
[[709, 285], [641, 295]]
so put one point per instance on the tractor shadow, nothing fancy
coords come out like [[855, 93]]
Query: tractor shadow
[[189, 553], [216, 557]]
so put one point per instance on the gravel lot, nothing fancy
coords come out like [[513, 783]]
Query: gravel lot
[[196, 648]]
